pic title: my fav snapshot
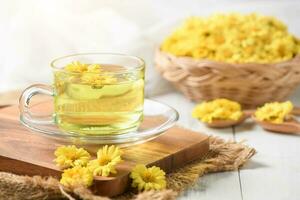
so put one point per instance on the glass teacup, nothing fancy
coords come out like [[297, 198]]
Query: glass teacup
[[94, 94]]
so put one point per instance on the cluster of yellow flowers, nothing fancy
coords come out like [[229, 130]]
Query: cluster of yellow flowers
[[233, 38], [274, 112], [79, 170], [92, 74], [218, 109]]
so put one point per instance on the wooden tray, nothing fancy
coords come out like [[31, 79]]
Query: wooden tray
[[23, 152]]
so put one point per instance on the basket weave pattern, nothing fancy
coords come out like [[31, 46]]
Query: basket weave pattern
[[249, 84]]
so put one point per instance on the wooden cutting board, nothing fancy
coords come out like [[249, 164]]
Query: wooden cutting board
[[23, 152]]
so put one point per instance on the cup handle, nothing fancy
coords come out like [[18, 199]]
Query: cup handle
[[24, 102]]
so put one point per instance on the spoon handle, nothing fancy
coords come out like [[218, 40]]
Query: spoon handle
[[295, 125], [296, 111]]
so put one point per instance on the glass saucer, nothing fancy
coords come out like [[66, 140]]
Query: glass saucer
[[158, 118]]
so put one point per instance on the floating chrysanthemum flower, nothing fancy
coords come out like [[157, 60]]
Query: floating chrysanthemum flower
[[274, 112], [106, 161], [218, 109], [144, 178], [76, 66], [97, 79], [94, 76], [70, 156], [77, 176], [90, 74]]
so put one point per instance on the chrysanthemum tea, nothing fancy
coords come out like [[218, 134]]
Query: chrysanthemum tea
[[98, 98]]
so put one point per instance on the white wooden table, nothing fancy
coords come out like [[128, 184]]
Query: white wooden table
[[273, 173]]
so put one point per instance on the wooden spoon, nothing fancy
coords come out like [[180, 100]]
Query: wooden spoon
[[229, 123], [290, 126]]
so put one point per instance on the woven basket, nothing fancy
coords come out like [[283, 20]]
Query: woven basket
[[249, 84]]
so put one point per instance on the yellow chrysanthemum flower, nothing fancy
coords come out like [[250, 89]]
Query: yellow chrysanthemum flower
[[77, 176], [218, 109], [107, 159], [76, 66], [90, 74], [233, 38], [98, 79], [274, 112], [70, 156], [144, 178]]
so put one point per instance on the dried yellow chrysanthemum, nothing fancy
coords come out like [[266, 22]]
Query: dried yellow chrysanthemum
[[90, 74], [77, 176], [233, 38], [70, 156], [98, 79], [144, 178], [218, 109], [107, 159], [76, 66], [274, 112]]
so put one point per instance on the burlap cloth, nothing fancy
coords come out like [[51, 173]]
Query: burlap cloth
[[222, 156]]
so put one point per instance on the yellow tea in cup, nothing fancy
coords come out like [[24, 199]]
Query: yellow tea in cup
[[105, 98]]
